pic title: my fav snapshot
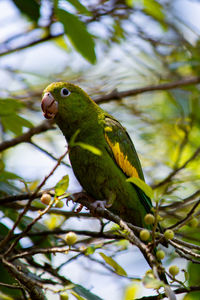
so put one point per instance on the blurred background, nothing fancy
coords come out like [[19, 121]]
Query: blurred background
[[103, 46]]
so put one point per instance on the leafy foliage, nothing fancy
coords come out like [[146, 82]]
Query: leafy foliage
[[144, 68]]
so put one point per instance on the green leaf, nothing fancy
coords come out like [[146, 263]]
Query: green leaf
[[60, 42], [62, 186], [9, 118], [9, 106], [154, 8], [80, 7], [90, 148], [9, 176], [73, 138], [129, 3], [81, 291], [78, 297], [30, 8], [111, 262], [15, 123], [90, 250], [7, 188], [78, 34], [7, 278], [142, 185], [150, 282]]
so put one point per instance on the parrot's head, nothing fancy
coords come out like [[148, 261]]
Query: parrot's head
[[64, 101]]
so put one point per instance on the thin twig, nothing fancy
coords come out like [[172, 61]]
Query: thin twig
[[176, 291], [184, 250], [93, 234], [186, 219], [10, 233], [48, 153], [181, 204]]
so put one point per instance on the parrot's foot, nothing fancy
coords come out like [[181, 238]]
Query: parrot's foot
[[101, 204], [94, 204], [75, 198]]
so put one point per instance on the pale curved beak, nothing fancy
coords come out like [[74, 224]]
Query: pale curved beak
[[49, 106]]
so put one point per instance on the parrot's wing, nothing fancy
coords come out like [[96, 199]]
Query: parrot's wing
[[123, 152]]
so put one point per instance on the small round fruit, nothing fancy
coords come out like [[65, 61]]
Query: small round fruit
[[169, 234], [59, 204], [160, 254], [64, 296], [149, 219], [144, 234], [193, 222], [174, 270], [70, 238], [45, 198]]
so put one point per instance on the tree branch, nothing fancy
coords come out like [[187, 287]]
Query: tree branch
[[32, 286], [116, 95], [186, 219], [26, 137], [177, 291], [30, 44]]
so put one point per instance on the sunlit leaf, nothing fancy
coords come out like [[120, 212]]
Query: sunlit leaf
[[154, 9], [130, 3], [150, 282], [90, 148], [85, 146], [131, 291], [78, 34], [53, 221], [142, 185], [62, 186], [90, 250], [111, 262], [60, 41], [77, 296]]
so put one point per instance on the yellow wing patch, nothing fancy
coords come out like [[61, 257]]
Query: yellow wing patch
[[107, 129], [121, 159]]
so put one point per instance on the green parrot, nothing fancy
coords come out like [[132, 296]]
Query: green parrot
[[104, 175]]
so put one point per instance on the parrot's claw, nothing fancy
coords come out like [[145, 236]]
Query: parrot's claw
[[100, 204], [75, 198]]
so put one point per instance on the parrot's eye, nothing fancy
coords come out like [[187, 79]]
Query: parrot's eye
[[64, 92]]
